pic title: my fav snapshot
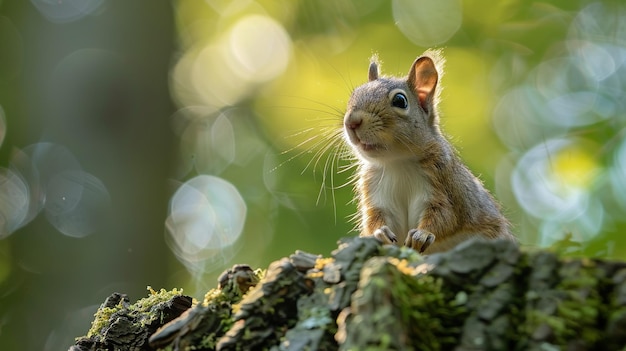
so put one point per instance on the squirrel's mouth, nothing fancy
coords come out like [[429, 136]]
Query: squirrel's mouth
[[360, 144], [369, 146]]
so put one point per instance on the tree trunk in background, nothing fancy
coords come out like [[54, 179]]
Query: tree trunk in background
[[97, 86]]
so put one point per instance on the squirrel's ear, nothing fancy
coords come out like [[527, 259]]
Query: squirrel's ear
[[422, 80], [373, 71]]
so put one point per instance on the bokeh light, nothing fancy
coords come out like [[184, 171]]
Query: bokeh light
[[555, 118], [617, 175], [428, 23], [260, 48], [13, 201], [207, 144], [50, 159], [48, 177], [206, 216], [67, 10], [552, 183], [517, 119], [21, 163], [76, 203], [229, 67], [215, 73]]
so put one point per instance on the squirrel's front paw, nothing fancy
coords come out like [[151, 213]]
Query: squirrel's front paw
[[419, 240], [385, 235]]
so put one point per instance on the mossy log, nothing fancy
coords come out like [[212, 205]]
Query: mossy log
[[483, 295]]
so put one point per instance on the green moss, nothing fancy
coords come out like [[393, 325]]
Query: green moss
[[391, 303], [154, 297], [582, 302], [102, 317], [146, 305], [101, 320]]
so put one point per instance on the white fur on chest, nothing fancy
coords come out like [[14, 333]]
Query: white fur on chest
[[402, 192]]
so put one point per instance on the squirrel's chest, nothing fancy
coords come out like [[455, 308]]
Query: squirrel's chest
[[402, 193]]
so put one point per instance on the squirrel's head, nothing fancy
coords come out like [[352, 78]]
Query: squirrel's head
[[389, 118]]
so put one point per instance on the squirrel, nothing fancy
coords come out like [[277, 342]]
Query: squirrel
[[411, 186]]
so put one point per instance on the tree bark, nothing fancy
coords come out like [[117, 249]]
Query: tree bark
[[482, 295]]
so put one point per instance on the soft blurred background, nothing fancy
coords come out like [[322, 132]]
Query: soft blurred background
[[157, 143]]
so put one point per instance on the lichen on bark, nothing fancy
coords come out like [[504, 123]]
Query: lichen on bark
[[482, 295]]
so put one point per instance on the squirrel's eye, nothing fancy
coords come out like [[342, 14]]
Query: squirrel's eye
[[399, 100]]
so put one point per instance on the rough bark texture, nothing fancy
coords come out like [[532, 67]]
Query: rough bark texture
[[479, 296]]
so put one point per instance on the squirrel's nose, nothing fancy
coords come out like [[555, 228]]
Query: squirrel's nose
[[353, 122]]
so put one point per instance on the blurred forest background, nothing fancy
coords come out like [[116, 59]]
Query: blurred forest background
[[157, 143]]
